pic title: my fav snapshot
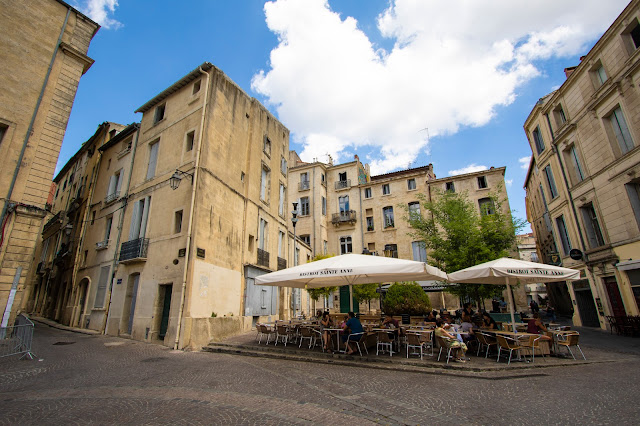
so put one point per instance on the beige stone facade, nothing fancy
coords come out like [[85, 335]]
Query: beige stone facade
[[43, 56], [346, 210], [583, 184]]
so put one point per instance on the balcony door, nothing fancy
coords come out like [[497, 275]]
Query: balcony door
[[344, 204], [139, 219]]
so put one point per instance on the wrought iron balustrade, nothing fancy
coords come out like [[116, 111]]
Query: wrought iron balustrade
[[134, 249]]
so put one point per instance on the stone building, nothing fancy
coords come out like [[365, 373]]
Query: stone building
[[343, 209], [205, 215], [527, 251], [43, 55], [583, 183]]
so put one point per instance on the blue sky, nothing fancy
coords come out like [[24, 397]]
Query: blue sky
[[353, 76]]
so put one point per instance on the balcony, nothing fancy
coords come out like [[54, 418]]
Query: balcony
[[112, 197], [101, 245], [304, 185], [343, 184], [263, 258], [134, 250], [282, 263], [125, 151], [55, 220], [344, 217]]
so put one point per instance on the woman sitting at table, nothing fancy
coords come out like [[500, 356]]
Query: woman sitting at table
[[450, 340], [467, 327], [488, 322], [390, 322], [535, 326], [326, 322]]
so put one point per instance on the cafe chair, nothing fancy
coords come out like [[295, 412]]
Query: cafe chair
[[263, 330], [384, 341], [508, 344], [413, 341], [485, 340], [571, 340], [307, 333], [443, 343], [282, 334], [533, 344], [356, 338]]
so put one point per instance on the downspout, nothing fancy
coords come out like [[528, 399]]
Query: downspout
[[33, 118], [313, 200], [194, 184], [125, 201]]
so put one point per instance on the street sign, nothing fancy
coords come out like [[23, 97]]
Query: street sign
[[555, 259]]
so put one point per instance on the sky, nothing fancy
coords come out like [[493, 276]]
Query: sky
[[400, 83]]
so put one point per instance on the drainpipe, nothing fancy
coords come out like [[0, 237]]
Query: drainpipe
[[125, 201], [193, 201], [313, 218], [33, 118]]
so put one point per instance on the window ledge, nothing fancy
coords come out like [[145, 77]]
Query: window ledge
[[194, 99], [414, 189], [389, 228]]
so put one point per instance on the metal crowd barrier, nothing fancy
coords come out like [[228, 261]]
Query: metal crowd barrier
[[17, 339]]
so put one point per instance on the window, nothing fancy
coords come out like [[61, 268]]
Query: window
[[537, 140], [115, 182], [3, 131], [304, 206], [325, 246], [411, 184], [196, 87], [386, 190], [449, 187], [93, 216], [592, 227], [267, 145], [324, 206], [264, 183], [414, 209], [342, 177], [564, 235], [370, 226], [283, 166], [575, 169], [631, 36], [419, 251], [139, 218], [306, 239], [367, 193], [343, 203], [551, 182], [262, 234], [387, 216], [391, 250], [323, 180], [107, 228], [304, 181], [482, 182], [281, 200], [189, 141], [159, 114], [558, 114], [486, 206], [620, 130], [102, 287], [177, 222], [345, 245], [153, 158], [280, 243], [633, 191]]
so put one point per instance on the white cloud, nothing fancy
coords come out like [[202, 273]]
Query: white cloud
[[508, 182], [524, 162], [452, 64], [471, 168], [98, 10]]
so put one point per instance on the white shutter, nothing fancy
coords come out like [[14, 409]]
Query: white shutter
[[145, 216], [102, 287], [134, 229], [112, 185], [119, 184], [153, 158]]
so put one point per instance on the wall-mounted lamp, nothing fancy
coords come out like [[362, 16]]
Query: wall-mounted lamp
[[174, 180]]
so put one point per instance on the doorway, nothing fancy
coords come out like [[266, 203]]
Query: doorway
[[165, 292], [586, 306], [129, 307], [615, 299], [82, 291]]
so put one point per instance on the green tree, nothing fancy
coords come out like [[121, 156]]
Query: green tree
[[406, 298], [325, 292], [457, 237], [366, 293]]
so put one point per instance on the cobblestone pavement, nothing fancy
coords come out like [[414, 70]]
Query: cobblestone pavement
[[82, 379]]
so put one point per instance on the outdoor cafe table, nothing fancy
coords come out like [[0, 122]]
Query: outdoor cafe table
[[556, 334], [337, 331]]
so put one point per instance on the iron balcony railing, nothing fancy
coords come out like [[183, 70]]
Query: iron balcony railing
[[344, 216], [282, 263], [341, 184], [54, 220], [134, 249], [263, 257], [112, 197], [304, 185]]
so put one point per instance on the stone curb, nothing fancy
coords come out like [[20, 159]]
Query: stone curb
[[54, 324]]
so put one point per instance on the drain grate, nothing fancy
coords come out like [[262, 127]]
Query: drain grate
[[63, 343]]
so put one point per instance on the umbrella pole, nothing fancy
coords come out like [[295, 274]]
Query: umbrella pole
[[513, 317], [350, 298]]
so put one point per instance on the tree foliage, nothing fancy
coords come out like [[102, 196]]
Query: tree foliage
[[366, 293], [457, 237], [325, 292], [406, 298]]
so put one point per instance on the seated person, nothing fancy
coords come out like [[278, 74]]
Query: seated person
[[354, 326], [326, 322], [431, 317], [535, 326], [450, 340], [488, 322], [467, 327], [467, 309], [390, 322]]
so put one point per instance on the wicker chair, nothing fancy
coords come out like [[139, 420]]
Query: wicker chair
[[485, 340], [571, 340], [413, 341], [385, 341], [508, 344]]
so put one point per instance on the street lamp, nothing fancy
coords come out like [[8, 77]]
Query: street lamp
[[294, 221], [174, 180]]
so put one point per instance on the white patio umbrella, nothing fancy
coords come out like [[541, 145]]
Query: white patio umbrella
[[350, 269], [512, 271]]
